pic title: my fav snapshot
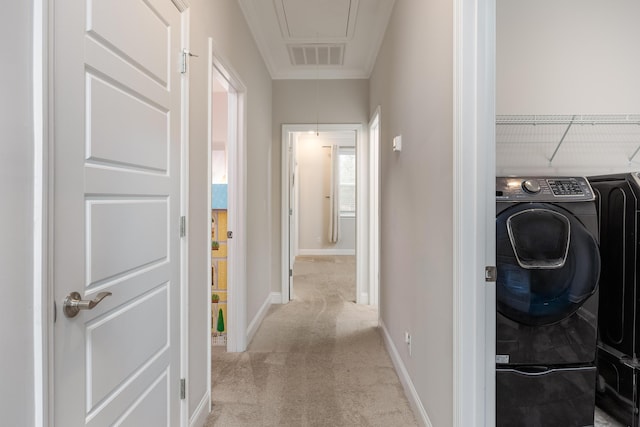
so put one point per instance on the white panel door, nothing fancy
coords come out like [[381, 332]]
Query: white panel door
[[116, 207]]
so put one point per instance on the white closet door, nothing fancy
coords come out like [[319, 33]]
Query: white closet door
[[116, 212]]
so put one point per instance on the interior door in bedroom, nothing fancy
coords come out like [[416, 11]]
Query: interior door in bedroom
[[116, 206]]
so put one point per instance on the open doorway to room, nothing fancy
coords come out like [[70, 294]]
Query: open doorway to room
[[324, 213], [226, 208], [222, 98]]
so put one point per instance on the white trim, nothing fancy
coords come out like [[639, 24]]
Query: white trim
[[207, 337], [182, 5], [362, 217], [405, 379], [486, 225], [42, 190], [374, 207], [323, 252], [287, 130], [364, 296], [474, 212], [276, 298], [236, 274], [201, 413], [184, 210], [259, 317], [285, 239]]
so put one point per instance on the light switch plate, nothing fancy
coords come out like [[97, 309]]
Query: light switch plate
[[397, 143]]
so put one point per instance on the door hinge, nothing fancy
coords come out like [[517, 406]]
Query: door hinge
[[290, 272], [490, 273], [55, 312], [183, 65], [229, 234], [290, 211], [183, 388], [185, 56], [183, 226]]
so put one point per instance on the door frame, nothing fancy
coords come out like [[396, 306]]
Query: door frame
[[361, 218], [474, 207], [185, 20], [236, 216], [374, 208]]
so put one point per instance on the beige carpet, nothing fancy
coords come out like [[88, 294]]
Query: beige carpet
[[317, 361]]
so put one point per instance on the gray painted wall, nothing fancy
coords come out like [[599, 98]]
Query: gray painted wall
[[16, 214], [294, 102], [412, 82], [224, 22]]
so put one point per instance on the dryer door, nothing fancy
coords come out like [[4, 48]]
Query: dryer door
[[548, 263]]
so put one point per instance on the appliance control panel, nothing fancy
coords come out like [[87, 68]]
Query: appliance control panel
[[543, 189]]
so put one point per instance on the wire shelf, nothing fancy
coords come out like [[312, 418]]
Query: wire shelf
[[550, 132]]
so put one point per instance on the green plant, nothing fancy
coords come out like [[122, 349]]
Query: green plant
[[220, 326], [215, 297], [215, 245]]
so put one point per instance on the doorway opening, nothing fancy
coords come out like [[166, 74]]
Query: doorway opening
[[226, 207], [333, 211], [222, 99]]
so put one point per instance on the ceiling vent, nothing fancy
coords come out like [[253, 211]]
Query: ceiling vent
[[316, 54]]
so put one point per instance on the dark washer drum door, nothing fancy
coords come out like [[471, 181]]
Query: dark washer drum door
[[548, 263]]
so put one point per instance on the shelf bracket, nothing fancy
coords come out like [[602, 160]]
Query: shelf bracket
[[634, 154], [564, 135]]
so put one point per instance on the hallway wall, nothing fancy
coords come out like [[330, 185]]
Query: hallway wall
[[412, 82], [16, 215], [294, 102], [232, 40]]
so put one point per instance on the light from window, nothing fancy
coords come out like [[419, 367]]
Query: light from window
[[347, 164]]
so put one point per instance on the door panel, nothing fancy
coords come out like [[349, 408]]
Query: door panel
[[117, 109], [146, 50], [123, 224], [150, 409], [124, 128], [109, 366]]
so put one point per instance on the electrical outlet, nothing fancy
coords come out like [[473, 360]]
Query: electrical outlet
[[407, 340]]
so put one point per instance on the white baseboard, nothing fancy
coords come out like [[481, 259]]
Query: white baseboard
[[200, 415], [364, 298], [276, 297], [258, 318], [320, 252], [405, 379]]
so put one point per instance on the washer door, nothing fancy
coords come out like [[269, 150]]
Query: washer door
[[548, 263]]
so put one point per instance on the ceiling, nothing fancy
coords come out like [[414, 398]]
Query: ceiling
[[311, 39]]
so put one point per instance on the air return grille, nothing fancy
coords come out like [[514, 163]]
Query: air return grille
[[316, 54]]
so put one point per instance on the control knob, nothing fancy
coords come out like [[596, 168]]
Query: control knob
[[531, 186]]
